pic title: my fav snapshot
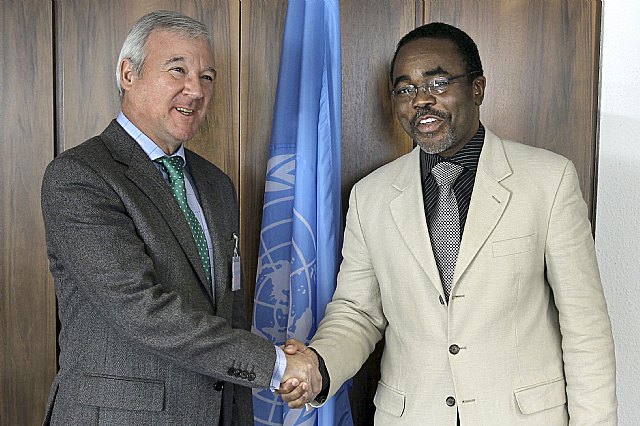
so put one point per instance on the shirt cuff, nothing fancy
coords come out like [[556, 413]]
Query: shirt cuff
[[278, 369]]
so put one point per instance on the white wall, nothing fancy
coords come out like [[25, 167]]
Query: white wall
[[618, 196]]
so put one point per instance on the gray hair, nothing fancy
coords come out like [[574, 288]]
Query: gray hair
[[133, 46]]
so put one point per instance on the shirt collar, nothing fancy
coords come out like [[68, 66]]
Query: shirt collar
[[150, 148]]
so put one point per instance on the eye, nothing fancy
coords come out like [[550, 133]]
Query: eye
[[207, 77], [177, 70], [439, 83], [405, 90]]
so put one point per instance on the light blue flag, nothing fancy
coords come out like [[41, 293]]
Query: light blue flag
[[302, 221]]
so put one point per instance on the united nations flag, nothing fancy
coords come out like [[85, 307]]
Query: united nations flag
[[301, 221]]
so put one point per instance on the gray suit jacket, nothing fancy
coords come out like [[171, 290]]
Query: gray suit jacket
[[142, 341]]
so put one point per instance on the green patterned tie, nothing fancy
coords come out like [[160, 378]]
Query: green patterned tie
[[173, 166]]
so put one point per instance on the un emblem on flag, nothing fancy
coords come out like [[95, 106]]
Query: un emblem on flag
[[286, 275]]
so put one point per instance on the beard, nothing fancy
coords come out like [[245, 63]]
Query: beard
[[431, 146], [425, 141]]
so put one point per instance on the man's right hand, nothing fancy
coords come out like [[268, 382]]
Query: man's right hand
[[302, 381]]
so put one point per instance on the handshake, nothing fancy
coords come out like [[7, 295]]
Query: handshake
[[302, 380]]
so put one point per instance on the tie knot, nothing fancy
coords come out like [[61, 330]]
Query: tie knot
[[172, 165], [446, 173]]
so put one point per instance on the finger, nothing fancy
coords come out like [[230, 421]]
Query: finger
[[290, 349], [288, 385], [300, 402], [295, 394], [295, 343]]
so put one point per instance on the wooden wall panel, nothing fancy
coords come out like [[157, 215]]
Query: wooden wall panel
[[541, 62], [89, 34], [261, 33], [371, 135], [27, 301]]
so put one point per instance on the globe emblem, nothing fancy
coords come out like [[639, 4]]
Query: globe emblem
[[286, 275]]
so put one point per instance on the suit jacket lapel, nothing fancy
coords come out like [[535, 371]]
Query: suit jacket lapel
[[488, 202], [407, 210], [148, 179], [213, 206]]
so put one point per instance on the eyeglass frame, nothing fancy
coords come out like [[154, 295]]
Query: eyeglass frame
[[427, 87]]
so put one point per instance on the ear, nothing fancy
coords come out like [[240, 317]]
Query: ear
[[127, 74], [479, 84]]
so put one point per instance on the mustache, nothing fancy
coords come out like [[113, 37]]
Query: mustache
[[430, 111]]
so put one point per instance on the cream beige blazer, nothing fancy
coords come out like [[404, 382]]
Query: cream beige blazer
[[526, 337]]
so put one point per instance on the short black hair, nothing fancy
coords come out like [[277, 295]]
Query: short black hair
[[440, 30]]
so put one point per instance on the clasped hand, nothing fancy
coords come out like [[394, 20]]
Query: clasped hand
[[302, 381]]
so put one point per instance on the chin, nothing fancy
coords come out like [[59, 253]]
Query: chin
[[436, 146]]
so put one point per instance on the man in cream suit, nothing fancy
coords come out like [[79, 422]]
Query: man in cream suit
[[142, 235], [513, 332]]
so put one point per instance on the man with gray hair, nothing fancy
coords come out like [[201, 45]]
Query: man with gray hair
[[142, 242]]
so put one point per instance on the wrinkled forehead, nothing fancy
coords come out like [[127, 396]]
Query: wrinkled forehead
[[168, 45], [428, 56]]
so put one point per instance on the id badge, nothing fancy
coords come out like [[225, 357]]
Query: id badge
[[235, 266]]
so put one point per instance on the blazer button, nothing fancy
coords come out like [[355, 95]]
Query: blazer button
[[454, 349], [244, 375], [230, 371], [236, 372], [218, 386], [451, 401], [251, 377]]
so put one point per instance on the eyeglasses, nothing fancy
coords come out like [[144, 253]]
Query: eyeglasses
[[435, 86]]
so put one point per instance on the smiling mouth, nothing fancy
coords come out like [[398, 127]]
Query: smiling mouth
[[427, 120], [185, 111]]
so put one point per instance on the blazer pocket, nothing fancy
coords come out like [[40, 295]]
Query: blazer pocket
[[541, 396], [389, 399], [125, 393], [514, 245]]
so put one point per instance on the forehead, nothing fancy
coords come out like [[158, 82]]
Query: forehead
[[169, 44], [428, 55]]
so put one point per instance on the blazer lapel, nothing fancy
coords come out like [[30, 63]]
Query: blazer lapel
[[142, 172], [407, 210], [214, 208], [488, 202]]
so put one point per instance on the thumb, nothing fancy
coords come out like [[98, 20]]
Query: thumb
[[294, 345]]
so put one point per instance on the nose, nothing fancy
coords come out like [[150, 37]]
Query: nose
[[193, 87], [423, 97]]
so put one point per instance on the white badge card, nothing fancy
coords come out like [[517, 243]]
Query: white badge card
[[235, 266]]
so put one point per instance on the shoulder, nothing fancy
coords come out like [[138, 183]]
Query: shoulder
[[200, 166], [523, 155], [389, 173], [519, 164]]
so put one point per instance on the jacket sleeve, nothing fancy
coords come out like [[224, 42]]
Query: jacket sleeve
[[587, 342], [354, 320]]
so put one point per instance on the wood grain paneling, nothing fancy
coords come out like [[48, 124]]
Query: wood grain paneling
[[261, 39], [27, 301], [371, 136], [541, 62], [89, 36]]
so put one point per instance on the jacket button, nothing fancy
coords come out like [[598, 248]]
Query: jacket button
[[230, 371], [451, 401], [236, 372], [244, 375], [218, 386], [454, 349], [251, 377]]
